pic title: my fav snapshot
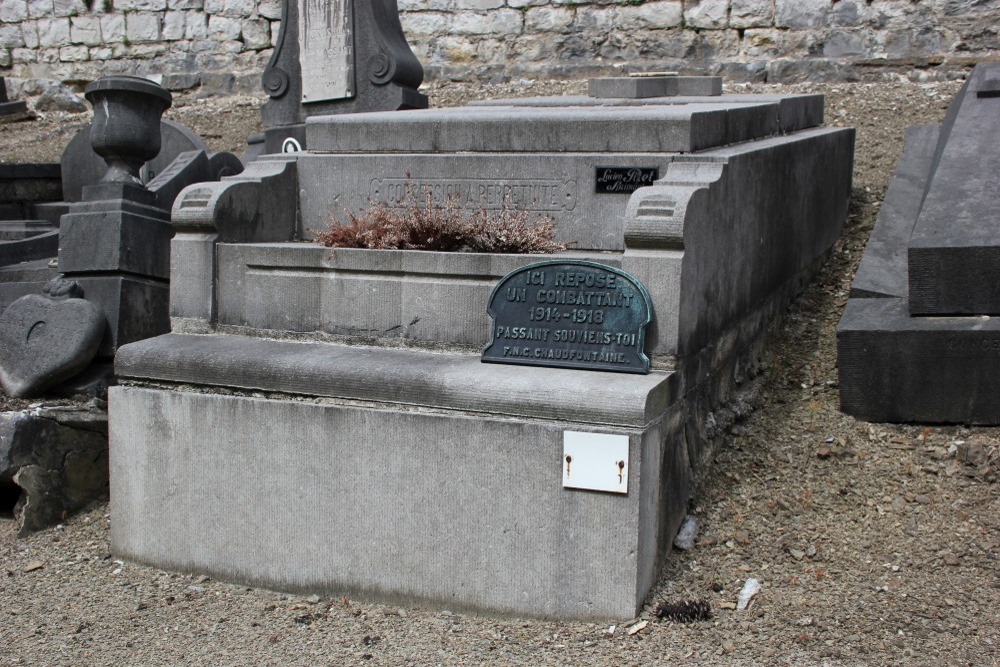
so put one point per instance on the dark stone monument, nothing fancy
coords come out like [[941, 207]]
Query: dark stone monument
[[332, 57], [919, 340], [570, 314], [81, 166], [10, 107], [116, 241]]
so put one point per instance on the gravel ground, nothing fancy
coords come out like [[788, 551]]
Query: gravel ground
[[873, 543]]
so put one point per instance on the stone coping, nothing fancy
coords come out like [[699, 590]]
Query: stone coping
[[483, 265], [417, 378], [565, 129]]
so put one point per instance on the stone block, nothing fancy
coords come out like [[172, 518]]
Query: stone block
[[69, 7], [195, 26], [425, 23], [802, 13], [221, 27], [39, 8], [181, 81], [899, 368], [548, 19], [478, 5], [517, 517], [256, 33], [136, 308], [499, 21], [74, 54], [710, 14], [174, 23], [142, 27], [955, 242], [752, 13], [840, 43], [218, 83], [105, 236], [113, 27], [53, 32], [129, 6], [85, 30], [629, 86], [13, 11], [269, 9], [29, 35], [239, 8], [651, 15], [186, 4]]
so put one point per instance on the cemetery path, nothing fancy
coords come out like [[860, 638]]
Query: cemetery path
[[873, 543]]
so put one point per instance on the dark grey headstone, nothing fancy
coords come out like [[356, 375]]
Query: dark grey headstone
[[337, 56], [55, 459], [81, 166], [47, 338], [914, 343], [954, 250]]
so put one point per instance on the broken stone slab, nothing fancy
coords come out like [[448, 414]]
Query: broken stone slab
[[47, 338], [54, 460]]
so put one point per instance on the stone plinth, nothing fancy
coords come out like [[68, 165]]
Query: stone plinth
[[917, 341]]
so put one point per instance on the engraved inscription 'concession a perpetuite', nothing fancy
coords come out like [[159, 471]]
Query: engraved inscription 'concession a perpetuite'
[[326, 49], [572, 314], [523, 194]]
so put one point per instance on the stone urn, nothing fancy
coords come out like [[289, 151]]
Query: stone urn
[[126, 127]]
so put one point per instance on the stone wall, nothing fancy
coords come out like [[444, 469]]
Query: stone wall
[[223, 45]]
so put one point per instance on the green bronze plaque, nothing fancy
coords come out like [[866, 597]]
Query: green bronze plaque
[[570, 314]]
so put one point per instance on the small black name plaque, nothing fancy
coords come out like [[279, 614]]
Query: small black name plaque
[[570, 314], [623, 180]]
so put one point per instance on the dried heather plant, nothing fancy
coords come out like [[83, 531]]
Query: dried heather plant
[[424, 225]]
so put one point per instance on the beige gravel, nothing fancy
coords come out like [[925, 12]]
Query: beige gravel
[[874, 544]]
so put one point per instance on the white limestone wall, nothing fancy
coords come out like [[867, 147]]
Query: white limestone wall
[[223, 45]]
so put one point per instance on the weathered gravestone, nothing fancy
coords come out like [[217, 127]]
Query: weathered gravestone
[[336, 56], [394, 461], [919, 339]]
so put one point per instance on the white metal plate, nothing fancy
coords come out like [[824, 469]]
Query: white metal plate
[[595, 461], [326, 49]]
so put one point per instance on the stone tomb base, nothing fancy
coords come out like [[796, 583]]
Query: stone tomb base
[[462, 504], [321, 421]]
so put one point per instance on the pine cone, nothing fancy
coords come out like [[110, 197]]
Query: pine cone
[[686, 611]]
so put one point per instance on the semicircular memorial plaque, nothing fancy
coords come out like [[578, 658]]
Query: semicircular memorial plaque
[[570, 314]]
